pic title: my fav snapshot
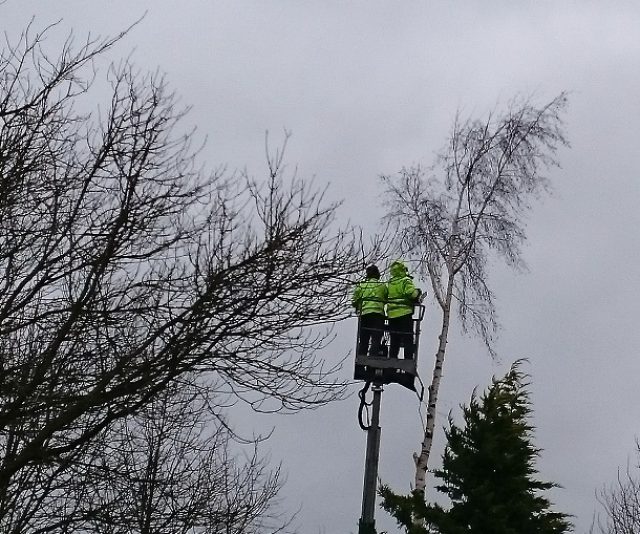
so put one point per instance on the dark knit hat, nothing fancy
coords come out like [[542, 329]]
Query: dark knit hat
[[373, 272]]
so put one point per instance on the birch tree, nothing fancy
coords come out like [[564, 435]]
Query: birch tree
[[452, 218]]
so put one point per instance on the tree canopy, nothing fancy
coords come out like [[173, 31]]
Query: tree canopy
[[451, 219], [129, 269], [488, 472]]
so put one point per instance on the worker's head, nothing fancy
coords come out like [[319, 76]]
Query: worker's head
[[373, 272], [397, 268]]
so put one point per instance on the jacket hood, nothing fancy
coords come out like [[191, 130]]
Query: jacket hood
[[397, 269]]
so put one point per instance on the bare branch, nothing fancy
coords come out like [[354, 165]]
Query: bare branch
[[620, 503], [126, 268], [469, 208]]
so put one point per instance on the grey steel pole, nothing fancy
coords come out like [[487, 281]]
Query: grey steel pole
[[367, 520]]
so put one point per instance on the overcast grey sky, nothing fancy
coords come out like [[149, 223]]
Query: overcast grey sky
[[367, 87]]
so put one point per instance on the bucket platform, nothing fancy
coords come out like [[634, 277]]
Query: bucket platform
[[383, 369]]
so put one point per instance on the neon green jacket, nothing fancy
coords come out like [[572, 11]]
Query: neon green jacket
[[401, 292], [370, 296]]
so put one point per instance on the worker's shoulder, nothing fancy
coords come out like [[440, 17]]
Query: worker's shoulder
[[370, 285]]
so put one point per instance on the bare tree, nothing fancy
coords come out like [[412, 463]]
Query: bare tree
[[126, 267], [471, 205], [170, 469], [620, 504]]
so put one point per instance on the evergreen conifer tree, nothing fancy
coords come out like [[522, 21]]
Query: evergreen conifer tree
[[488, 472]]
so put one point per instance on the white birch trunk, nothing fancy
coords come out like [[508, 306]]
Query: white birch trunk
[[422, 459]]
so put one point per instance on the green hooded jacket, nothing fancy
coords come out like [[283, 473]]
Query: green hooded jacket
[[370, 296], [401, 292]]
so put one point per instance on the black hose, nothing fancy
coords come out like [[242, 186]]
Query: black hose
[[363, 406]]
